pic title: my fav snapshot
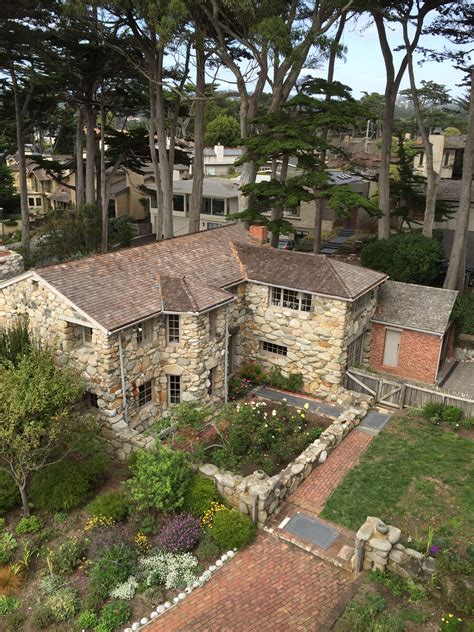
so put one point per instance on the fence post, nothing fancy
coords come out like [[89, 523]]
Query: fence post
[[402, 396], [377, 389]]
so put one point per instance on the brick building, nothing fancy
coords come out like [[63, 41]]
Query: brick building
[[411, 330]]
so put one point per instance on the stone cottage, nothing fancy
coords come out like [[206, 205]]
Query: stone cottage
[[170, 321]]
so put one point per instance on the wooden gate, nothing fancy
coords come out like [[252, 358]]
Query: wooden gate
[[390, 394]]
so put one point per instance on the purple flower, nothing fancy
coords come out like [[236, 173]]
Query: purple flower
[[434, 549], [179, 533]]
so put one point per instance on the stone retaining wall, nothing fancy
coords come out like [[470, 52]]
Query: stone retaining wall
[[260, 495], [378, 548], [11, 264]]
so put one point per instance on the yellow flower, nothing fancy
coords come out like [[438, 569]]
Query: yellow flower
[[306, 406]]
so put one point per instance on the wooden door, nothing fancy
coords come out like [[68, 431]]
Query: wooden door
[[392, 347]]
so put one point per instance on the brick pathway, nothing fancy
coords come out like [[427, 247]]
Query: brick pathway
[[270, 586], [320, 484]]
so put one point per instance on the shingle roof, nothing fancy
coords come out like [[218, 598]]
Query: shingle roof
[[211, 187], [307, 272], [415, 306], [450, 191], [190, 274]]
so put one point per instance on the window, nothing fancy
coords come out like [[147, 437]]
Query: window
[[293, 212], [111, 209], [144, 331], [145, 393], [291, 299], [270, 347], [218, 207], [86, 334], [354, 351], [31, 201], [212, 323], [92, 400], [446, 158], [210, 225], [212, 206], [421, 155], [178, 203], [153, 200], [174, 389], [212, 380], [362, 302], [172, 327]]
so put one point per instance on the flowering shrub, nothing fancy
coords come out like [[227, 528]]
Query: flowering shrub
[[232, 530], [208, 517], [174, 570], [98, 521], [200, 495], [126, 590], [450, 622], [112, 505], [115, 565], [252, 374], [68, 556], [142, 542], [63, 604], [179, 533]]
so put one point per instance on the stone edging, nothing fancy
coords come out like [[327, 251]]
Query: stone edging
[[259, 495], [168, 605]]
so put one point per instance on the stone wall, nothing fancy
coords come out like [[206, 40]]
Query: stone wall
[[378, 548], [259, 495], [11, 264]]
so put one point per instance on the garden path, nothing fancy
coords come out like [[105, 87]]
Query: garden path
[[274, 585]]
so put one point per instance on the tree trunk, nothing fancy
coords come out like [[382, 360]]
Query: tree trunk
[[318, 217], [198, 167], [20, 139], [277, 210], [385, 161], [154, 157], [79, 160], [90, 153], [103, 181], [455, 276], [24, 501]]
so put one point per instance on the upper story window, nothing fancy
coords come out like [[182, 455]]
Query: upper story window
[[293, 211], [144, 331], [172, 328], [291, 299], [212, 206], [362, 302], [178, 203]]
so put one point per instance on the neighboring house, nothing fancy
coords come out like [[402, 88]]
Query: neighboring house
[[220, 198], [448, 153], [170, 321], [412, 331], [219, 160]]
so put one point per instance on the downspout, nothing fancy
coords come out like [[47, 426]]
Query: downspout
[[226, 354], [441, 340], [122, 376]]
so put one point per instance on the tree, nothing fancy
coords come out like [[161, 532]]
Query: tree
[[223, 130], [37, 424], [9, 198], [373, 105]]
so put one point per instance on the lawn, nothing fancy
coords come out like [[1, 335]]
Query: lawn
[[413, 475]]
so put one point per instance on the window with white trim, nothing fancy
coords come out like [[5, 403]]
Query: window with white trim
[[362, 302], [172, 327], [145, 393], [271, 347], [174, 389], [354, 351], [291, 299], [86, 333], [144, 331]]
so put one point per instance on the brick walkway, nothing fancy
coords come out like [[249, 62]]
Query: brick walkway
[[270, 586], [320, 484]]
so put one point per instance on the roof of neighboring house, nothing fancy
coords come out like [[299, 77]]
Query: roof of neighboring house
[[211, 187], [307, 272], [118, 187], [458, 141], [209, 151], [450, 191], [61, 194], [232, 151], [415, 306], [190, 274]]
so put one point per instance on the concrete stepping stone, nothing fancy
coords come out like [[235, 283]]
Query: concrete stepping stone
[[312, 530], [374, 421]]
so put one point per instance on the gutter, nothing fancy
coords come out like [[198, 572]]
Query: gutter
[[122, 376]]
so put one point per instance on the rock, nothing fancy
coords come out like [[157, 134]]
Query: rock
[[394, 534], [365, 532], [429, 565], [379, 544], [415, 554], [225, 480], [323, 456], [297, 468], [398, 557], [208, 469]]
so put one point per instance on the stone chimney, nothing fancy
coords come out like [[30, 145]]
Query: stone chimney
[[259, 232], [11, 264]]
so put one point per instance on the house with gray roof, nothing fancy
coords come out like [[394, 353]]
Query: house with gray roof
[[412, 330], [171, 321]]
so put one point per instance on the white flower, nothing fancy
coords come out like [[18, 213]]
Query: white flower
[[252, 403], [266, 425], [126, 590], [306, 406], [284, 400], [274, 412], [298, 411]]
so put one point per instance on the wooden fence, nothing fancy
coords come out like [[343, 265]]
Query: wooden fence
[[400, 394]]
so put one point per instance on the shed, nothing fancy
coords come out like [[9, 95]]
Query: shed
[[411, 330]]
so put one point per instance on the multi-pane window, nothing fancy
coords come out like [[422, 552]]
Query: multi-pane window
[[144, 331], [354, 351], [212, 206], [271, 347], [92, 399], [86, 334], [145, 393], [174, 389], [362, 302], [212, 380], [212, 323], [291, 299], [172, 327]]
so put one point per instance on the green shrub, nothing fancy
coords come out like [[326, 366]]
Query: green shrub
[[452, 415], [8, 603], [113, 567], [67, 484], [232, 530], [407, 257], [113, 505], [42, 618], [29, 525], [14, 621], [189, 415], [160, 479], [87, 620], [438, 413], [8, 546], [463, 313], [254, 373], [208, 551], [200, 494], [63, 604], [293, 383], [68, 556], [9, 494], [113, 615], [433, 411], [50, 584]]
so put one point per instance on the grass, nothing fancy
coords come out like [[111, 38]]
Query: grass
[[415, 476]]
